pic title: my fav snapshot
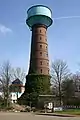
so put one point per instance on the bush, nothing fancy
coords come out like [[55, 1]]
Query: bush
[[33, 109]]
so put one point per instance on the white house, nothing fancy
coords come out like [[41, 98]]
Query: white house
[[17, 89]]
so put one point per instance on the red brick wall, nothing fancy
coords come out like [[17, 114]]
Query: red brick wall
[[39, 50]]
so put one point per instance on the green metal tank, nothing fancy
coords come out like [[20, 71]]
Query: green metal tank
[[39, 14]]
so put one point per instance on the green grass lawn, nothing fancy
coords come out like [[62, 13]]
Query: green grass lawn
[[70, 111]]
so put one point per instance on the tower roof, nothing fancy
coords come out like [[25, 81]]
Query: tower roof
[[39, 6]]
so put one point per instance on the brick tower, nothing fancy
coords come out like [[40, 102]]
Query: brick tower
[[38, 78], [39, 19], [39, 61]]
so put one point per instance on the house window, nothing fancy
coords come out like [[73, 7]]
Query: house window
[[40, 62], [41, 53], [13, 101], [40, 46], [41, 70], [14, 95]]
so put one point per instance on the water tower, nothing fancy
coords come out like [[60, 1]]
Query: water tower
[[38, 20]]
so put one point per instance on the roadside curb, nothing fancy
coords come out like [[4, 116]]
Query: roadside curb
[[59, 115]]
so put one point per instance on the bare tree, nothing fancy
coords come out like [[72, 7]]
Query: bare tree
[[59, 73], [76, 80], [19, 73], [5, 75]]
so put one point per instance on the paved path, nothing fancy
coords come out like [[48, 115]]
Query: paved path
[[28, 116]]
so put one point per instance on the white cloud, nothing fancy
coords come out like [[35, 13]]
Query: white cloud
[[66, 17], [4, 29]]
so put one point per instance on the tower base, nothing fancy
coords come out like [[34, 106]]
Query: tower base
[[35, 85]]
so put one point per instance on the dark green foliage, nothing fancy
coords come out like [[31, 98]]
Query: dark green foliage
[[68, 91], [38, 83], [3, 103], [35, 85], [23, 99], [15, 88]]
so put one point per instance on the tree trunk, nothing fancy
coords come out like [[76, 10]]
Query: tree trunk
[[17, 96], [60, 94]]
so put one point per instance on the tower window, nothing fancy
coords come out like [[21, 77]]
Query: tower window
[[40, 46], [41, 70], [41, 53], [48, 71], [47, 54], [47, 63], [46, 47], [40, 38], [40, 31], [40, 62]]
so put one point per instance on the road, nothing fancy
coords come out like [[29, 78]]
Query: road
[[29, 116]]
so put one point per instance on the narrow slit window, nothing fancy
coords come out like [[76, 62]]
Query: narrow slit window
[[40, 38], [41, 70], [41, 53], [40, 31], [47, 63], [40, 62], [47, 54], [40, 46]]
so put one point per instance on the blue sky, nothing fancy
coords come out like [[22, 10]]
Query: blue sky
[[63, 35]]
